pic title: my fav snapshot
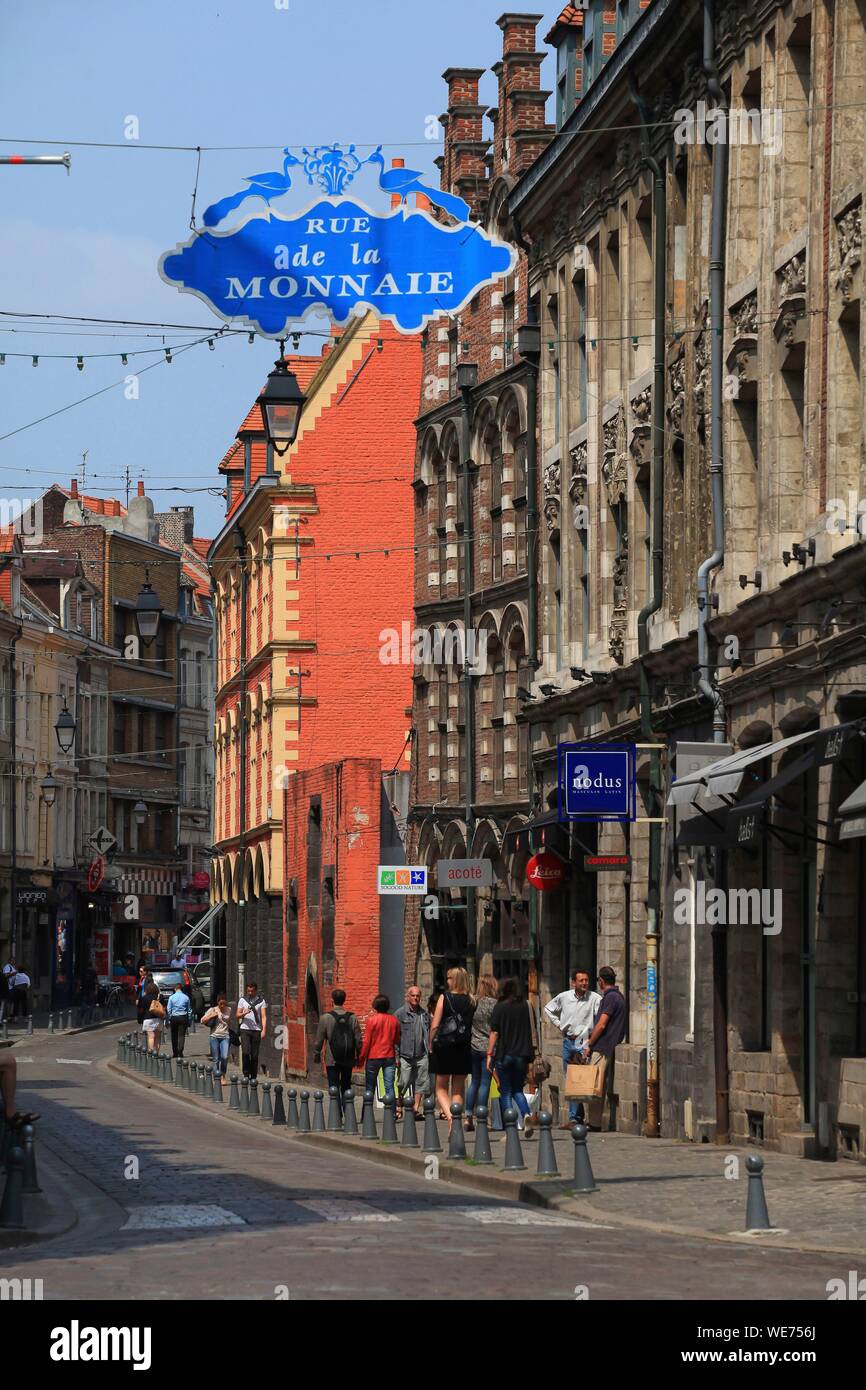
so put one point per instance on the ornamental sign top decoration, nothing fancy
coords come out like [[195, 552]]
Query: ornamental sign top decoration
[[272, 269]]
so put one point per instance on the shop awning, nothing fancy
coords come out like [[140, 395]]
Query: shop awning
[[725, 777], [744, 819], [544, 831], [852, 815]]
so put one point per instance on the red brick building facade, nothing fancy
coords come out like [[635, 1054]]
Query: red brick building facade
[[314, 561]]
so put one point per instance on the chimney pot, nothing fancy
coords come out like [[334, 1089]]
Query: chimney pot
[[140, 488], [74, 488]]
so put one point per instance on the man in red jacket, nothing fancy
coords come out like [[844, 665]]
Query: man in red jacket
[[379, 1050]]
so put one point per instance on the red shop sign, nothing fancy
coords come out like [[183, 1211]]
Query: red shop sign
[[545, 871]]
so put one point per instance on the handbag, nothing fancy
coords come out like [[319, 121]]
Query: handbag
[[540, 1069]]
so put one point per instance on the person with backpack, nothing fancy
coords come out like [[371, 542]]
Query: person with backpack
[[450, 1040], [339, 1037], [379, 1048], [179, 1010], [253, 1014]]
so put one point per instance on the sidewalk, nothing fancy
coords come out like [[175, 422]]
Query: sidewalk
[[654, 1184]]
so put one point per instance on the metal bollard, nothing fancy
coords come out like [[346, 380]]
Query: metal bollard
[[31, 1181], [178, 1072], [513, 1152], [389, 1124], [279, 1117], [245, 1095], [304, 1113], [216, 1085], [546, 1152], [757, 1216], [350, 1119], [5, 1030], [456, 1139], [267, 1108], [368, 1117], [318, 1112], [335, 1114], [234, 1099], [30, 1025], [496, 1115], [51, 1023], [169, 1074], [254, 1096], [70, 1018], [431, 1143], [410, 1129], [293, 1119], [584, 1181], [12, 1204], [481, 1153]]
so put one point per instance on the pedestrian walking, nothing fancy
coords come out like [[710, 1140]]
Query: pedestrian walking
[[339, 1038], [574, 1013], [607, 1033], [379, 1048], [153, 1024], [179, 1012], [478, 1093], [253, 1014], [218, 1018], [9, 969], [413, 1051], [450, 1045], [510, 1049], [20, 983]]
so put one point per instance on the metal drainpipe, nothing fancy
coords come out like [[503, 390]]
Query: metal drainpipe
[[660, 218], [717, 289], [717, 285], [466, 412], [242, 746]]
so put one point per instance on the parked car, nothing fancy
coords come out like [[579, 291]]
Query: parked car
[[202, 975], [167, 981]]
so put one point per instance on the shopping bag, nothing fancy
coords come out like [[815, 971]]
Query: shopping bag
[[584, 1081]]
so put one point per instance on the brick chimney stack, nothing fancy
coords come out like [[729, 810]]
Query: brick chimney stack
[[140, 488], [521, 130], [73, 488], [463, 167]]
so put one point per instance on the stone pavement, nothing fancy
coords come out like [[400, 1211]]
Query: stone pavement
[[653, 1184]]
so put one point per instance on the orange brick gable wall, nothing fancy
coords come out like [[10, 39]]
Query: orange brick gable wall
[[359, 459], [350, 800]]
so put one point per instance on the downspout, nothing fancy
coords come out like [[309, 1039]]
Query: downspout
[[717, 289], [470, 376], [529, 346], [240, 546], [652, 1127], [717, 285]]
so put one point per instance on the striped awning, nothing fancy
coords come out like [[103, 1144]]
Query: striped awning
[[148, 887]]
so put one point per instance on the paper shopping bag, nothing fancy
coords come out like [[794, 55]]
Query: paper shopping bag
[[584, 1081]]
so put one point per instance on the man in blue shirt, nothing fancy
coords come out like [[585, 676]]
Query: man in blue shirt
[[607, 1034], [179, 1012]]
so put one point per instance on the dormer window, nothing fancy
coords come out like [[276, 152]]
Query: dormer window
[[566, 77]]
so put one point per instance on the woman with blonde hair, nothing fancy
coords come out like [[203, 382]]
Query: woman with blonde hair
[[478, 1093], [450, 1040]]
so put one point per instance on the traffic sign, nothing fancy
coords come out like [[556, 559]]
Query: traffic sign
[[102, 840]]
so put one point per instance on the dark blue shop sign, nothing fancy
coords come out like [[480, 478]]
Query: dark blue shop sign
[[597, 782], [271, 269]]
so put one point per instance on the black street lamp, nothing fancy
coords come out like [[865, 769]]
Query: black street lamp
[[65, 729], [281, 404], [147, 611], [139, 810], [48, 787]]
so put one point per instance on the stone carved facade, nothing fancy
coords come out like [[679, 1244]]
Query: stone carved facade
[[614, 469], [619, 616], [577, 488], [849, 235], [677, 395], [552, 474], [640, 444]]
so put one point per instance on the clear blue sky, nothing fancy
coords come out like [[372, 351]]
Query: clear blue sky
[[236, 72]]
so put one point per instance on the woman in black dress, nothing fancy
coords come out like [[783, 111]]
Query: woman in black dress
[[450, 1047]]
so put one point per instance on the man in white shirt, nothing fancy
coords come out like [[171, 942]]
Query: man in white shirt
[[574, 1013], [253, 1014]]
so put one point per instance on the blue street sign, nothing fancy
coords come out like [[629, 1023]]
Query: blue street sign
[[272, 269], [597, 782]]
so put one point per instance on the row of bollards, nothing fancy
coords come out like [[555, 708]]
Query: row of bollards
[[266, 1102]]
